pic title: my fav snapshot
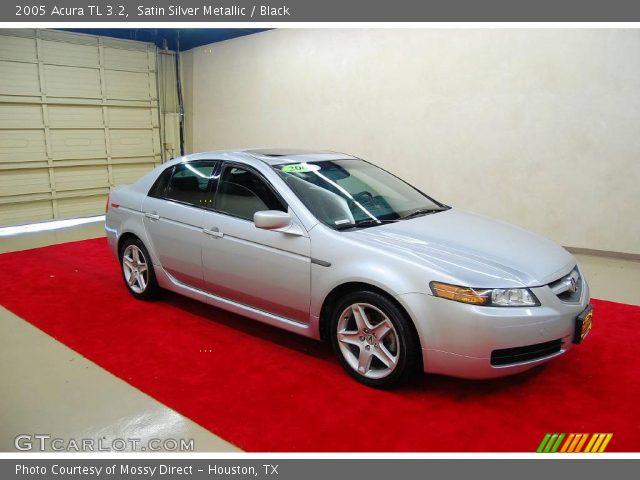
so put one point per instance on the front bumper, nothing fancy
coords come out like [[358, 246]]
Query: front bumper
[[458, 339]]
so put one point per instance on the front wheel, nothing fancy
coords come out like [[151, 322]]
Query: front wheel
[[137, 270], [373, 339]]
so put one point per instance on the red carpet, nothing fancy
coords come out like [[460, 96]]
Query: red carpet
[[267, 390]]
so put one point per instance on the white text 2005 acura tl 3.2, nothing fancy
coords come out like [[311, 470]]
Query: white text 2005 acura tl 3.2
[[333, 247]]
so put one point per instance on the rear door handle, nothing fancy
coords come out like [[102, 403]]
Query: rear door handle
[[214, 232], [152, 216]]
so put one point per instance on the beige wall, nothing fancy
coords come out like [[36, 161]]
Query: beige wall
[[537, 127]]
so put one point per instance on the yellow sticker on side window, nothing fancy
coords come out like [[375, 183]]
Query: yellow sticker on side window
[[300, 168]]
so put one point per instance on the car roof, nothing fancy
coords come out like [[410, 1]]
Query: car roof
[[270, 156]]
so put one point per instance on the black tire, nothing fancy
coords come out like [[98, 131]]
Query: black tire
[[151, 290], [407, 346]]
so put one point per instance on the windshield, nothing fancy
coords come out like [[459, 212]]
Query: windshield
[[354, 193]]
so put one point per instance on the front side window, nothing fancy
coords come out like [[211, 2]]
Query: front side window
[[242, 193], [351, 193], [190, 184]]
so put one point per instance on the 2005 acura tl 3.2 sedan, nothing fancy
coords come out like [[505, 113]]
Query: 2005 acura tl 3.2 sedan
[[332, 247]]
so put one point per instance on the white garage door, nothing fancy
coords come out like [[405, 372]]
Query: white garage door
[[78, 115]]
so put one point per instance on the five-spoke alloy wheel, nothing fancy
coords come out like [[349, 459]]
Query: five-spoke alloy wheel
[[134, 267], [368, 340], [137, 270], [373, 339]]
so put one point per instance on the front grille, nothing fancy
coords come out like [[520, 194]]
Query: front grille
[[508, 356], [568, 288]]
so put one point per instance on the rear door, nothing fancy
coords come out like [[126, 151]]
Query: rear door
[[175, 215]]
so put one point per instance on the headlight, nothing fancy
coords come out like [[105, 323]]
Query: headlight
[[491, 297]]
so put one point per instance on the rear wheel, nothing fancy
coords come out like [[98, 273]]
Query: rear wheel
[[137, 270], [373, 339]]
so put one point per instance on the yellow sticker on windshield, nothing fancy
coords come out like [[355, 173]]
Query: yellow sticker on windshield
[[300, 168]]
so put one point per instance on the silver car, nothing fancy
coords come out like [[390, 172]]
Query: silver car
[[334, 248]]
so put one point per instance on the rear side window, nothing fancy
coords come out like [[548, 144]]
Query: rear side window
[[160, 186], [242, 193], [190, 184]]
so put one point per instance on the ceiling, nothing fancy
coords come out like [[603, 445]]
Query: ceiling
[[173, 38]]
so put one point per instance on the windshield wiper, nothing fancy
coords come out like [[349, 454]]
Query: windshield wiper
[[420, 212], [368, 222]]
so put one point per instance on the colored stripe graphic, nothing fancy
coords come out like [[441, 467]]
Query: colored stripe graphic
[[582, 440], [587, 449], [553, 443], [550, 443], [543, 443], [557, 444], [574, 444], [568, 442], [606, 442]]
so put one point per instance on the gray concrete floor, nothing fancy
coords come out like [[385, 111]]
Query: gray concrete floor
[[50, 389]]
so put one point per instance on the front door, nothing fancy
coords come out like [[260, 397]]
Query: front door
[[264, 269]]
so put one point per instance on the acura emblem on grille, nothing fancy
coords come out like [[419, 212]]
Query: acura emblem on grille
[[569, 284]]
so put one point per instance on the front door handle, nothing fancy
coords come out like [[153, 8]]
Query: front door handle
[[214, 232], [152, 216]]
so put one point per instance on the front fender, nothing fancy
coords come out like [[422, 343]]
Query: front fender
[[386, 278]]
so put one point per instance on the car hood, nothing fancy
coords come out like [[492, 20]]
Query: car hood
[[473, 250]]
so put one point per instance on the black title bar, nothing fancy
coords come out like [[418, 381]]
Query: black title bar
[[126, 11], [315, 469]]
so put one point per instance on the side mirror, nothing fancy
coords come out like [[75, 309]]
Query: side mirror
[[271, 219]]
